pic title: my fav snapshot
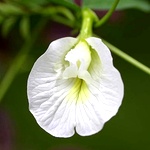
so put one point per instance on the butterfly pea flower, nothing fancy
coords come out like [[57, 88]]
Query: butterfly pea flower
[[74, 87]]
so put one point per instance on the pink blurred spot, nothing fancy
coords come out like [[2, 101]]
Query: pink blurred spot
[[5, 131], [78, 2]]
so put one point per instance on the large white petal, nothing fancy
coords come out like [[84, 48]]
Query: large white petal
[[107, 86], [47, 90], [99, 100]]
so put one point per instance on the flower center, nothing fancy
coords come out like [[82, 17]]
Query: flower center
[[79, 59]]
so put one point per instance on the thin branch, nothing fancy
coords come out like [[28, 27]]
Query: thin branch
[[108, 15]]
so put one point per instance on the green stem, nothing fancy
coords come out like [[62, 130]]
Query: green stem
[[128, 58], [88, 17], [19, 60], [108, 15]]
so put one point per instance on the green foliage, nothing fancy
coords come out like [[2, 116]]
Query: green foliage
[[66, 3], [7, 25], [8, 8], [142, 5], [25, 27], [36, 3], [59, 11], [31, 4]]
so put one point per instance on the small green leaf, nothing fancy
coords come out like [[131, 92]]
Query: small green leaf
[[25, 27], [7, 25], [47, 11], [36, 2], [32, 4], [7, 9], [142, 5], [57, 10], [65, 3]]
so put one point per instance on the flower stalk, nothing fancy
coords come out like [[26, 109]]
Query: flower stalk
[[89, 18]]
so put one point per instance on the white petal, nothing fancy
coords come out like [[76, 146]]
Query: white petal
[[88, 121], [59, 105], [47, 90], [107, 86], [103, 95]]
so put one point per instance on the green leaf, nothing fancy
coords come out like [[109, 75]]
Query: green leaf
[[57, 10], [35, 3], [66, 3], [7, 25], [142, 5], [38, 2], [25, 27], [137, 4], [32, 4], [7, 9]]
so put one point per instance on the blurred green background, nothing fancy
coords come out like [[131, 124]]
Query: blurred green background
[[128, 30]]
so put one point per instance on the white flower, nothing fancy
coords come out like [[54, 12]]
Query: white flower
[[74, 86]]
